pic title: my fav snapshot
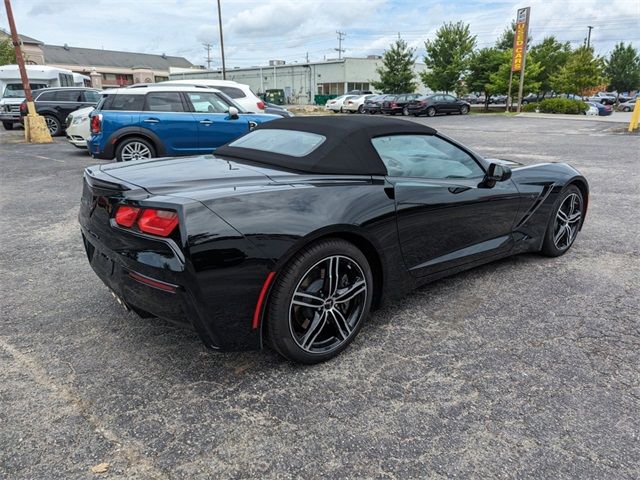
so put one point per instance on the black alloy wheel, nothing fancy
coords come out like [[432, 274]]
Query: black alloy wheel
[[464, 110], [565, 224], [319, 301], [53, 125], [431, 112]]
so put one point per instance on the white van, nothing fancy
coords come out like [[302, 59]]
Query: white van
[[239, 92], [40, 76]]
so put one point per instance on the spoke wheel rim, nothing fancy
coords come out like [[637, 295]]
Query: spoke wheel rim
[[135, 151], [431, 112], [327, 304], [567, 221], [51, 125]]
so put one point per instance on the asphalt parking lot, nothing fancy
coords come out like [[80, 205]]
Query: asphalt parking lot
[[527, 368]]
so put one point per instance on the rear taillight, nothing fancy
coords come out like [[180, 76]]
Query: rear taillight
[[149, 220], [96, 123], [158, 222], [260, 105], [394, 105], [23, 108], [126, 216]]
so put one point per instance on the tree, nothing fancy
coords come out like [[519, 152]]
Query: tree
[[500, 79], [582, 71], [482, 64], [7, 52], [623, 68], [552, 55], [447, 57], [396, 72]]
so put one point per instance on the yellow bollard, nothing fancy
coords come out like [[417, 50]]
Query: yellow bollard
[[635, 116], [35, 127]]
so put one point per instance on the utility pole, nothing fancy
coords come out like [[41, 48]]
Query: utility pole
[[35, 127], [589, 36], [340, 50], [224, 70], [207, 47]]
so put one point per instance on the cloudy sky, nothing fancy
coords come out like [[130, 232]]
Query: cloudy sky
[[259, 30]]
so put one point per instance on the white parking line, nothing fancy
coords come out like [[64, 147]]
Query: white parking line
[[47, 158]]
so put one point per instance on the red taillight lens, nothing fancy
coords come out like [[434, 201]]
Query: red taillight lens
[[260, 105], [96, 123], [394, 105], [158, 222], [126, 216], [23, 108]]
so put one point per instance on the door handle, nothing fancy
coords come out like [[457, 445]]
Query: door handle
[[206, 122], [151, 120]]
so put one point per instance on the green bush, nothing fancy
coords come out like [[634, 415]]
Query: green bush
[[562, 105], [530, 107]]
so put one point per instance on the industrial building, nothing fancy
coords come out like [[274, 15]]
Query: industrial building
[[301, 82]]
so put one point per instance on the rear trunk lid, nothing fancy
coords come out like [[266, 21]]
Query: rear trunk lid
[[173, 176]]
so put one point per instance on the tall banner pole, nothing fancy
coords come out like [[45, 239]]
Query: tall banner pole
[[509, 102], [519, 60]]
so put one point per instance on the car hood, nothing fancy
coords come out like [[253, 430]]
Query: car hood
[[82, 112], [167, 176]]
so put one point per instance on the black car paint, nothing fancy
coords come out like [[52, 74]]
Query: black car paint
[[440, 102], [238, 222], [61, 109], [393, 104]]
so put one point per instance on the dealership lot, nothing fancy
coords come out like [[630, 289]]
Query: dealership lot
[[523, 368]]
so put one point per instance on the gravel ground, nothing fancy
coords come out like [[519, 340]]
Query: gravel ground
[[528, 367]]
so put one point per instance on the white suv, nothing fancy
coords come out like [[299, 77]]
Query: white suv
[[239, 92]]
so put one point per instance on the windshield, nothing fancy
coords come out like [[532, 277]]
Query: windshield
[[14, 90]]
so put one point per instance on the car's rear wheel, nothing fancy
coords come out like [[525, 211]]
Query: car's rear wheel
[[626, 109], [53, 124], [405, 111], [134, 149], [565, 224], [361, 109], [464, 110], [431, 112], [319, 302], [7, 125]]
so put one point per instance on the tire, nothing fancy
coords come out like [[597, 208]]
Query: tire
[[53, 124], [361, 109], [7, 125], [289, 326], [134, 148], [626, 109], [464, 110], [556, 243], [405, 112], [431, 112]]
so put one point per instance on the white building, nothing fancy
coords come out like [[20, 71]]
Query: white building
[[302, 81]]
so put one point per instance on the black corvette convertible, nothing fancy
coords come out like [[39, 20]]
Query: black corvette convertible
[[291, 234]]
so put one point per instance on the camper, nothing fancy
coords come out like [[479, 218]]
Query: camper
[[40, 76]]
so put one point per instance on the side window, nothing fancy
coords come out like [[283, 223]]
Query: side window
[[124, 102], [46, 97], [204, 102], [232, 92], [425, 156], [164, 102], [449, 98], [68, 96], [401, 98], [91, 96]]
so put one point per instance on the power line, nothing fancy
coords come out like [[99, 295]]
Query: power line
[[207, 47]]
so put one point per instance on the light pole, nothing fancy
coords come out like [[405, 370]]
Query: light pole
[[224, 70]]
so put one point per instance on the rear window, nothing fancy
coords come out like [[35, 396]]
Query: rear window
[[164, 102], [286, 142], [232, 92], [67, 96]]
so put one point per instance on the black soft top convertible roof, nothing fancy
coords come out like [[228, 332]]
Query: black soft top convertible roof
[[346, 150]]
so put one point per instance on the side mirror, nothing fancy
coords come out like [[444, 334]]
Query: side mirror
[[496, 173], [233, 113]]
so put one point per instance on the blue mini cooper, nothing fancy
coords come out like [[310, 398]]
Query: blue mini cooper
[[150, 121]]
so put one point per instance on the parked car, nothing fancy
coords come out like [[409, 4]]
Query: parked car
[[356, 104], [624, 97], [337, 104], [373, 104], [395, 104], [239, 92], [359, 92], [433, 104], [157, 120], [603, 110], [78, 128], [592, 110], [332, 218], [498, 99], [54, 104], [605, 98], [470, 98], [627, 106], [273, 109]]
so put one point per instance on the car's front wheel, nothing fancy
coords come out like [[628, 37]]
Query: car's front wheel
[[319, 301], [565, 224], [464, 110], [361, 109], [134, 149], [431, 112], [7, 125]]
